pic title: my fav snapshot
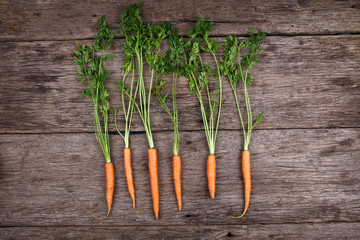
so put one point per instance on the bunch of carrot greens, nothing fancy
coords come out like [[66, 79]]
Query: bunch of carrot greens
[[142, 50]]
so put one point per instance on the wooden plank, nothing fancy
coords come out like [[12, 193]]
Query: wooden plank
[[40, 20], [303, 82], [282, 231], [299, 176]]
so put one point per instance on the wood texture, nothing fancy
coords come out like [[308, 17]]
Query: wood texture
[[258, 232], [50, 20], [298, 176], [305, 170], [302, 82]]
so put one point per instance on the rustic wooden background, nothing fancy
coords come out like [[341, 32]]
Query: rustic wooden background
[[305, 154]]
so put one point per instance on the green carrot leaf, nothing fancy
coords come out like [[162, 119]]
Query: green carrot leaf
[[259, 118]]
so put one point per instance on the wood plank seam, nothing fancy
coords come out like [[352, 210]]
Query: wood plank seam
[[184, 36]]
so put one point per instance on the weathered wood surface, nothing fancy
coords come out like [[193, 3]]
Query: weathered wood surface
[[39, 20], [306, 183], [258, 232], [303, 82], [299, 176]]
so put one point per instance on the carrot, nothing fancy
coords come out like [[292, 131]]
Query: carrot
[[235, 73], [154, 180], [177, 179], [90, 69], [167, 63], [110, 184], [247, 180], [128, 174], [128, 114], [200, 84], [131, 91], [129, 177], [211, 174]]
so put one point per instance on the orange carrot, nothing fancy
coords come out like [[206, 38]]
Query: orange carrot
[[177, 179], [154, 180], [232, 49], [247, 180], [95, 75], [128, 173], [211, 174], [110, 184]]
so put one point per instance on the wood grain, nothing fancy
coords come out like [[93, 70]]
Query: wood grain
[[303, 82], [258, 232], [306, 171], [57, 20], [298, 176]]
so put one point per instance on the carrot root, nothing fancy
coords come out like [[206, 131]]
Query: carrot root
[[177, 179], [247, 180], [139, 211], [91, 214], [211, 174], [129, 175], [110, 183], [154, 180]]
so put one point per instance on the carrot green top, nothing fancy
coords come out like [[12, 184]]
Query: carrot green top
[[199, 75], [247, 54], [142, 42], [90, 61], [170, 63]]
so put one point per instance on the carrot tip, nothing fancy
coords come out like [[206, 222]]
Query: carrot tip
[[139, 211], [231, 217], [88, 211]]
